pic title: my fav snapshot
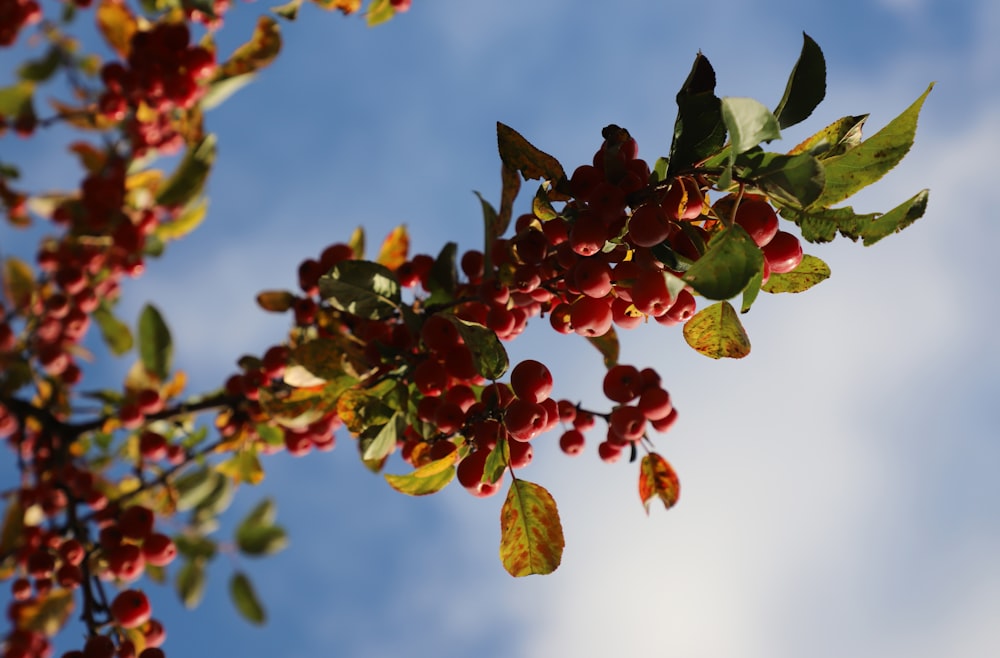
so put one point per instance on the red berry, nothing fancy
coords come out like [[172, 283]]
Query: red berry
[[572, 442], [159, 549], [130, 608], [525, 419], [783, 253], [622, 383], [758, 218], [136, 522], [531, 380]]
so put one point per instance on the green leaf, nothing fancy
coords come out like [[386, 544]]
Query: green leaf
[[117, 336], [289, 11], [193, 487], [608, 346], [795, 180], [699, 130], [220, 90], [716, 332], [47, 614], [218, 500], [155, 345], [752, 290], [443, 278], [493, 226], [40, 70], [379, 11], [260, 51], [429, 478], [497, 461], [243, 466], [258, 540], [362, 288], [488, 353], [657, 479], [189, 178], [189, 219], [195, 546], [16, 99], [517, 153], [531, 535], [510, 185], [806, 85], [245, 599], [822, 225], [385, 441], [541, 205], [866, 163], [837, 138], [810, 272], [749, 123], [727, 267], [190, 582]]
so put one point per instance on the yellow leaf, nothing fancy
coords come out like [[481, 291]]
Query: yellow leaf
[[394, 248], [657, 479], [117, 24], [531, 536], [18, 282], [48, 614]]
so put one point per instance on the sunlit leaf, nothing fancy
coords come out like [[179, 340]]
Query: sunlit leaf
[[395, 248], [189, 178], [428, 479], [867, 162], [189, 219], [749, 123], [385, 441], [263, 47], [810, 272], [716, 331], [244, 466], [289, 10], [16, 99], [47, 614], [531, 535], [117, 335], [727, 267], [362, 288], [276, 301], [837, 138], [18, 282], [822, 225], [117, 25], [657, 479]]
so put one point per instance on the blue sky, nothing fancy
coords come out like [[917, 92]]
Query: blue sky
[[839, 494]]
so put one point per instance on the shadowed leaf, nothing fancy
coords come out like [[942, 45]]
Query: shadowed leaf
[[156, 348], [245, 599], [727, 267], [806, 85], [519, 154]]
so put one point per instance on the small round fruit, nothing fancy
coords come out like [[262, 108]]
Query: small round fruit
[[531, 380], [783, 253], [130, 609]]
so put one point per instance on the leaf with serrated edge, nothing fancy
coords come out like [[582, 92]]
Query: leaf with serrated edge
[[531, 535], [428, 479], [518, 153], [809, 272], [716, 332], [866, 163], [657, 479]]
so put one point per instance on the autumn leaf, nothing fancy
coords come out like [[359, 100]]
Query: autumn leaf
[[531, 536], [657, 479]]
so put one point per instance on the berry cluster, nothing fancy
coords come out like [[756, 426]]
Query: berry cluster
[[14, 15], [163, 71]]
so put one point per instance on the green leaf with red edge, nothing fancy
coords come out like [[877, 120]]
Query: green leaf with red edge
[[716, 332], [806, 85], [729, 264], [531, 535], [809, 272], [657, 479], [488, 353], [395, 248], [156, 349], [867, 162], [428, 479], [608, 346], [244, 598], [47, 614], [276, 301], [18, 282], [518, 153], [117, 24]]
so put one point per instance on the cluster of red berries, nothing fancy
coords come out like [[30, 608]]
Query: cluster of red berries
[[782, 250], [14, 15], [163, 71]]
